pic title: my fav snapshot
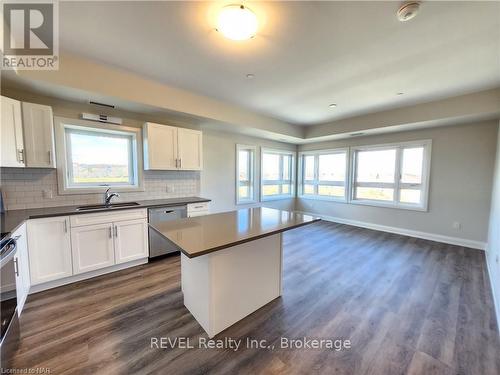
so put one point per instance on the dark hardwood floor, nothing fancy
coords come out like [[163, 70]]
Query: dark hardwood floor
[[406, 305]]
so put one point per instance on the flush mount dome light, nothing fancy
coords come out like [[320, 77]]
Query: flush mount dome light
[[408, 11], [236, 22]]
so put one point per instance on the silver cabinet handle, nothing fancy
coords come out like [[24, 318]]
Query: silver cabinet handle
[[21, 155], [110, 233], [16, 267], [50, 157], [116, 231], [180, 162], [65, 226]]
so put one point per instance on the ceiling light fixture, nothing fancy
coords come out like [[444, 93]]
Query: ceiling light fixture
[[400, 93], [408, 11], [236, 22], [250, 76], [333, 105]]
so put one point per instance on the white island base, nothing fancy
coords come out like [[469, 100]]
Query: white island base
[[224, 286]]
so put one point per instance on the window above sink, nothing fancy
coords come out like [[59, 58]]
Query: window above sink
[[93, 156]]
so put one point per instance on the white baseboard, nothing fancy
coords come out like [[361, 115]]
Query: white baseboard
[[405, 232], [88, 275], [496, 301]]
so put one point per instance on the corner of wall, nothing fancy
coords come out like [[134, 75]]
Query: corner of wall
[[493, 246]]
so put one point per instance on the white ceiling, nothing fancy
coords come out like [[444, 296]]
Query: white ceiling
[[305, 56]]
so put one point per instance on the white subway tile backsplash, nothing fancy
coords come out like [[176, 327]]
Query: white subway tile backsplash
[[22, 188]]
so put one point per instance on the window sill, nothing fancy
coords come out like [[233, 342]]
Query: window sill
[[275, 197], [241, 203], [389, 205], [322, 198]]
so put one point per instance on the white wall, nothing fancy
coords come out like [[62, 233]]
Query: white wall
[[23, 187], [218, 180], [463, 159], [493, 252]]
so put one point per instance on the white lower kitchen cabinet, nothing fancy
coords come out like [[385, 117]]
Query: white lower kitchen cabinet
[[21, 267], [67, 249], [92, 247], [49, 245], [131, 240], [197, 209]]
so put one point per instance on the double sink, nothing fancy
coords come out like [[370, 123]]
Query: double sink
[[106, 206]]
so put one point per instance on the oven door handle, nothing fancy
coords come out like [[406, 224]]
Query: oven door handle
[[16, 267]]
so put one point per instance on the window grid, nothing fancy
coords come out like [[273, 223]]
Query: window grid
[[283, 182], [415, 191], [250, 181], [316, 182]]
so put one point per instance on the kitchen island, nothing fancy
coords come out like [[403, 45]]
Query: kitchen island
[[231, 262]]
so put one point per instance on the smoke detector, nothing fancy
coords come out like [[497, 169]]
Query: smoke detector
[[408, 11]]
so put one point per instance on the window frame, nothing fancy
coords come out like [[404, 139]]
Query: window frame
[[252, 173], [280, 182], [397, 185], [316, 182], [63, 147]]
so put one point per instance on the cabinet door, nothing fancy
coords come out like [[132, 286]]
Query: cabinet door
[[49, 249], [38, 127], [92, 247], [197, 213], [22, 267], [131, 241], [190, 149], [11, 134], [160, 147]]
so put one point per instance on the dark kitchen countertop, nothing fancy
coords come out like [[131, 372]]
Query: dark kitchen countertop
[[12, 219], [201, 235]]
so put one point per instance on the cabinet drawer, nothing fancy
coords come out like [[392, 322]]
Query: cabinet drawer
[[107, 217], [194, 207]]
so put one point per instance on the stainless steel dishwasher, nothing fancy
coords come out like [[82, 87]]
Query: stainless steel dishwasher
[[157, 244]]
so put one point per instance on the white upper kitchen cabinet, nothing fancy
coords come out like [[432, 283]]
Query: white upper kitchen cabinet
[[190, 146], [49, 249], [11, 134], [160, 146], [172, 148], [38, 126]]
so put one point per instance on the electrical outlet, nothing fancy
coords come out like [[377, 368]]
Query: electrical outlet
[[47, 194], [457, 225], [170, 188]]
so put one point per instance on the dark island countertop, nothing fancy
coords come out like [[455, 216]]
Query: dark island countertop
[[12, 219], [201, 235]]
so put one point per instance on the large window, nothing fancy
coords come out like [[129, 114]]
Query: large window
[[392, 175], [324, 174], [93, 157], [277, 174], [245, 174]]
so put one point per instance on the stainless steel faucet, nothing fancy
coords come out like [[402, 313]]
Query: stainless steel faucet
[[108, 196]]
